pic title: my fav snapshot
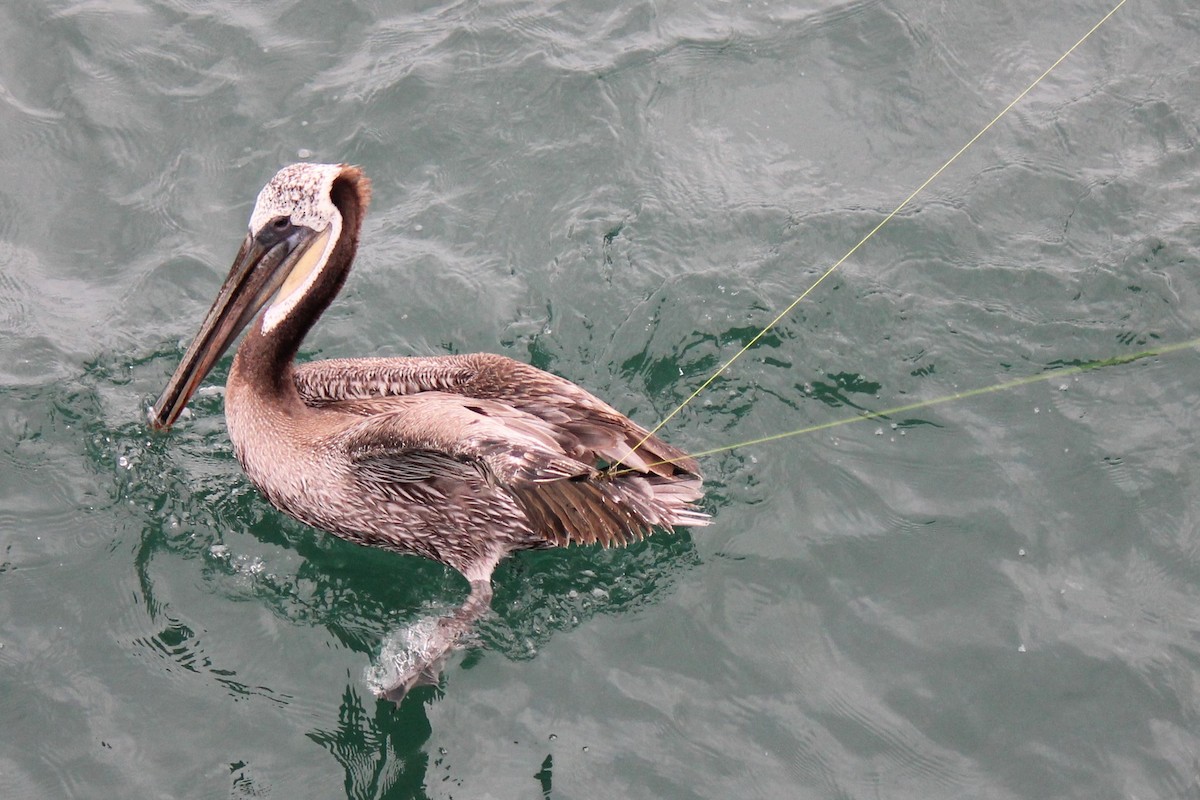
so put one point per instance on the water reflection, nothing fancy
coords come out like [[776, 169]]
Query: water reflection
[[380, 748]]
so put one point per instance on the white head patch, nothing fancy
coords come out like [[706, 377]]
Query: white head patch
[[302, 193], [298, 191]]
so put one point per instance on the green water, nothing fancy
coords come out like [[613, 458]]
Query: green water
[[997, 597]]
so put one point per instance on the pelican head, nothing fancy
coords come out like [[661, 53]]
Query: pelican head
[[295, 228]]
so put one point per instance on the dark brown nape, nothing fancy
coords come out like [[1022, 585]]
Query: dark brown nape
[[351, 194], [353, 179]]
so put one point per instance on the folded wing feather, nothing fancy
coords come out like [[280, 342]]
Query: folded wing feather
[[585, 427]]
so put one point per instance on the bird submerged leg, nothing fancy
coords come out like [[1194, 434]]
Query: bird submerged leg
[[415, 655]]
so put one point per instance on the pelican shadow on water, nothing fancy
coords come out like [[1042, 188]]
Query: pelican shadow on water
[[460, 459]]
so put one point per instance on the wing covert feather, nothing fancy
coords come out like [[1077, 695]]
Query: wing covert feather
[[424, 439], [584, 427]]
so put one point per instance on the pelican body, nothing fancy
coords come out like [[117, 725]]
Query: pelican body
[[460, 459]]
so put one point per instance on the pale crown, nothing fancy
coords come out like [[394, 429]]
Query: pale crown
[[298, 191]]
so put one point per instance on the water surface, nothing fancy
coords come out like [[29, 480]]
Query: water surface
[[996, 597]]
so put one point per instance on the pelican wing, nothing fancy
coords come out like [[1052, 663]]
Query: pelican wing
[[418, 444], [510, 445], [584, 427]]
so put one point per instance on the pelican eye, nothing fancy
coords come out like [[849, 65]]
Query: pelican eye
[[275, 231]]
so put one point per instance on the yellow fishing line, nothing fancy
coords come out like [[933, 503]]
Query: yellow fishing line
[[864, 239], [1053, 374]]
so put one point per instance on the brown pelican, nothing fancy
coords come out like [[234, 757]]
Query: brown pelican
[[461, 459]]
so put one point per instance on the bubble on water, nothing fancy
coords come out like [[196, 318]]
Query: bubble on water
[[1021, 649], [220, 551], [304, 152]]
